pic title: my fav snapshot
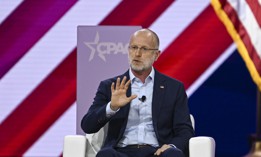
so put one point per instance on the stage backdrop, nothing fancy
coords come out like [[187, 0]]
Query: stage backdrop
[[38, 69], [102, 52]]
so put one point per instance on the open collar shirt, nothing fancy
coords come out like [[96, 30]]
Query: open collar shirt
[[139, 129]]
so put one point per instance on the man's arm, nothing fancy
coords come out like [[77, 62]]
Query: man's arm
[[108, 91], [96, 115], [182, 126]]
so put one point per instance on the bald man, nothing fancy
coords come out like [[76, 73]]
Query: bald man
[[147, 112]]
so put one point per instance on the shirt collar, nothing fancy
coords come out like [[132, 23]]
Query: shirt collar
[[133, 77]]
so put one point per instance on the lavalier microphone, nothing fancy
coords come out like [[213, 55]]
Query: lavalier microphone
[[143, 98]]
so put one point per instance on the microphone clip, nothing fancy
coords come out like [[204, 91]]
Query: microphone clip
[[143, 98]]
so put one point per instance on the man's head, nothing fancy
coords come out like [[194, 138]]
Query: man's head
[[143, 50]]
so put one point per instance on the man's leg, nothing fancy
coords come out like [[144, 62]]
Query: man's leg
[[110, 152], [138, 152], [172, 152]]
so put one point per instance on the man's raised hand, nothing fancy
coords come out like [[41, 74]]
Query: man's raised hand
[[118, 93]]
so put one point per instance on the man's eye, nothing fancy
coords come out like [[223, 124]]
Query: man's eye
[[144, 49], [134, 47]]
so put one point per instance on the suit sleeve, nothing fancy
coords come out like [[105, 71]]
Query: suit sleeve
[[182, 127], [96, 118]]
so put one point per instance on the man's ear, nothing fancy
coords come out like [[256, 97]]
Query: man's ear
[[157, 54]]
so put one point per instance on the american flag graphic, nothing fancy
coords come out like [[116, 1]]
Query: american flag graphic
[[38, 66], [243, 21]]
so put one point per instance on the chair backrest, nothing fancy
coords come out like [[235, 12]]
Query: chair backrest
[[96, 140]]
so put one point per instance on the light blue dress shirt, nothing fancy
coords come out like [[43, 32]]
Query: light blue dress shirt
[[139, 129]]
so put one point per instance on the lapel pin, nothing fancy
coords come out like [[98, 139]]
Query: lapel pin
[[161, 87]]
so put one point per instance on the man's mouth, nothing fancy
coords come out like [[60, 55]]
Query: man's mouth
[[136, 60]]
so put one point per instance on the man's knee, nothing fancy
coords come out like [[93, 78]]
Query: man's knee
[[171, 152], [108, 152]]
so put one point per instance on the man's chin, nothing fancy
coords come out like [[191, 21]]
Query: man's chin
[[137, 69]]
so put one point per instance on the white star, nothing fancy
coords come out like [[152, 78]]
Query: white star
[[91, 44]]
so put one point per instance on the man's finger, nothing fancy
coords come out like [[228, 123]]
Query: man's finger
[[162, 149], [126, 86], [132, 97], [123, 82], [158, 152], [112, 87], [118, 83]]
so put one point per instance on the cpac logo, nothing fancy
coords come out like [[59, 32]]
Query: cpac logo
[[105, 48]]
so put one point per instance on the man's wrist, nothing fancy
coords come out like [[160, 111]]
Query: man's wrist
[[109, 111], [113, 108]]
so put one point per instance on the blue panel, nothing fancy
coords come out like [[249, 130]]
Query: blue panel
[[224, 108]]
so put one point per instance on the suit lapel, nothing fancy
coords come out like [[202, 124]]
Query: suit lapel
[[124, 111], [127, 107], [158, 95]]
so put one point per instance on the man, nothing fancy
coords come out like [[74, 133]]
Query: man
[[147, 111]]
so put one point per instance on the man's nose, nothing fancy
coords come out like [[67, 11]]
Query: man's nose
[[138, 52]]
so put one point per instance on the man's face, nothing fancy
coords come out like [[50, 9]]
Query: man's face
[[141, 58]]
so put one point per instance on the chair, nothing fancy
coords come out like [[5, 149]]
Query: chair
[[89, 145]]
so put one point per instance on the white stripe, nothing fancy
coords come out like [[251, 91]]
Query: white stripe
[[48, 53], [249, 21], [51, 142], [7, 7], [176, 19], [211, 69]]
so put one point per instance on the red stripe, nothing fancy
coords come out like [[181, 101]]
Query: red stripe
[[25, 26], [195, 49], [252, 52], [256, 9], [38, 111], [55, 94], [136, 12]]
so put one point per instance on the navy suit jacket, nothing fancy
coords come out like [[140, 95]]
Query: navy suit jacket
[[170, 113]]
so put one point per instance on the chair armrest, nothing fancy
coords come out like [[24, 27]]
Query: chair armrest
[[202, 146], [74, 146]]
